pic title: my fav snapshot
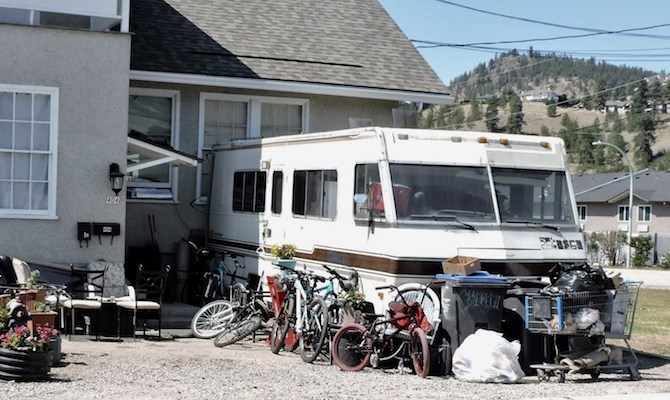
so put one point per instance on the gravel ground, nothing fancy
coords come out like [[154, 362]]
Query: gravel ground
[[195, 369]]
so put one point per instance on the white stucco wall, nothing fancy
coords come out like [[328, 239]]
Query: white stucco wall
[[91, 71]]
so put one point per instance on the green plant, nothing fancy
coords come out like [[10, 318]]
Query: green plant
[[4, 317], [31, 281], [642, 246], [665, 261], [351, 297], [20, 337], [284, 251], [40, 306]]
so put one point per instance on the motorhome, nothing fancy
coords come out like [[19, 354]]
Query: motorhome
[[394, 203]]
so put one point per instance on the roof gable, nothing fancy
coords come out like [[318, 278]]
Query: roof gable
[[648, 185], [348, 42]]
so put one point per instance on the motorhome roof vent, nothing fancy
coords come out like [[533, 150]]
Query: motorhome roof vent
[[456, 139], [482, 139], [504, 142], [403, 136]]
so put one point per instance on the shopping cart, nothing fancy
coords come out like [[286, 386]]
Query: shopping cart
[[609, 314]]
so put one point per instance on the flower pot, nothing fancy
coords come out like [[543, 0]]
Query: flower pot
[[30, 296], [28, 365], [286, 263], [55, 350], [44, 318]]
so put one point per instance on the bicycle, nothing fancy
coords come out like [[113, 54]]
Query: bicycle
[[220, 310], [248, 317], [401, 335], [302, 311]]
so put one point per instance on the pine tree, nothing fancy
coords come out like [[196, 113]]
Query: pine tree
[[491, 117], [613, 161], [515, 120]]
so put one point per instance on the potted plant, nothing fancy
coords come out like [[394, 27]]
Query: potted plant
[[4, 319], [351, 304], [284, 254], [24, 355], [30, 293], [41, 315]]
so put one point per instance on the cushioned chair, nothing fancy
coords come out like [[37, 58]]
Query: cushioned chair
[[146, 298], [85, 291]]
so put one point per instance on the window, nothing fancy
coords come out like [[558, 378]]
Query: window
[[152, 114], [277, 193], [366, 182], [581, 211], [644, 213], [315, 193], [227, 117], [249, 191], [28, 149], [624, 214]]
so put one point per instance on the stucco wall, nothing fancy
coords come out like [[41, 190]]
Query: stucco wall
[[176, 221], [91, 71]]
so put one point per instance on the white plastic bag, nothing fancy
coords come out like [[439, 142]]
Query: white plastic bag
[[586, 317], [486, 356]]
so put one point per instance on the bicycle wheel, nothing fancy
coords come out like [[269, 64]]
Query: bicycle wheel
[[281, 325], [211, 318], [351, 348], [314, 334], [238, 332], [418, 347]]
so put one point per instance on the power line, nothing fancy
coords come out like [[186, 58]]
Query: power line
[[592, 30]]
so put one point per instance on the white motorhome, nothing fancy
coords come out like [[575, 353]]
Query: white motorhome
[[394, 203]]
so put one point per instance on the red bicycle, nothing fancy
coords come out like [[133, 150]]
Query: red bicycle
[[400, 336]]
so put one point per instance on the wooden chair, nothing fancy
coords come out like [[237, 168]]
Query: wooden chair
[[85, 291], [146, 298]]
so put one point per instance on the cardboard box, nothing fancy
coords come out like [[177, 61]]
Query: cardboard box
[[461, 265]]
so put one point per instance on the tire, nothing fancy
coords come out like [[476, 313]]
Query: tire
[[211, 318], [280, 326], [238, 332], [351, 348], [311, 341], [419, 352]]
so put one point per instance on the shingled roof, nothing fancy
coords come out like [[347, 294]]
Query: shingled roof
[[648, 185], [345, 42]]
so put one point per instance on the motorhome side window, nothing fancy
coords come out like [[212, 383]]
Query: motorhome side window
[[277, 186], [367, 192], [249, 191], [315, 193]]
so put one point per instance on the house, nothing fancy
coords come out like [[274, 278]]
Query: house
[[150, 86], [603, 204], [540, 95], [617, 106]]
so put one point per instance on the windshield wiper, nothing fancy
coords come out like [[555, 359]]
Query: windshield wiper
[[532, 223], [446, 218]]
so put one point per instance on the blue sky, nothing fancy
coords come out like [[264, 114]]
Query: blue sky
[[438, 21]]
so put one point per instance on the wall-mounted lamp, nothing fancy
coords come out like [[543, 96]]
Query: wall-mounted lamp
[[116, 178]]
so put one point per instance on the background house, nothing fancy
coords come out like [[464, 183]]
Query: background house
[[158, 82], [602, 203]]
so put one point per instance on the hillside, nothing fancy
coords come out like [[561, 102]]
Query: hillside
[[535, 116], [566, 76]]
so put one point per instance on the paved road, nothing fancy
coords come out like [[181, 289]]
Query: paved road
[[652, 278]]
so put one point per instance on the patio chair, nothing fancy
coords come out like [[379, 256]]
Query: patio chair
[[146, 299], [86, 291]]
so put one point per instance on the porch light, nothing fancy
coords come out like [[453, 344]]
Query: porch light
[[116, 178]]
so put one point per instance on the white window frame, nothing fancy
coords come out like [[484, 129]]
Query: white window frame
[[254, 104], [619, 212], [173, 183], [50, 212], [639, 210], [579, 212]]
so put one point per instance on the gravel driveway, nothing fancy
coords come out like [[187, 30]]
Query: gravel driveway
[[195, 369]]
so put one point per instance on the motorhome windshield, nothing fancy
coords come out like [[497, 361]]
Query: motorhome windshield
[[442, 193], [463, 194], [533, 196]]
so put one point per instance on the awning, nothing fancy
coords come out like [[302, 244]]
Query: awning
[[153, 155]]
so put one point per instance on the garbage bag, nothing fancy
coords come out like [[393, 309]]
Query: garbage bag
[[486, 356], [586, 317], [577, 277]]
